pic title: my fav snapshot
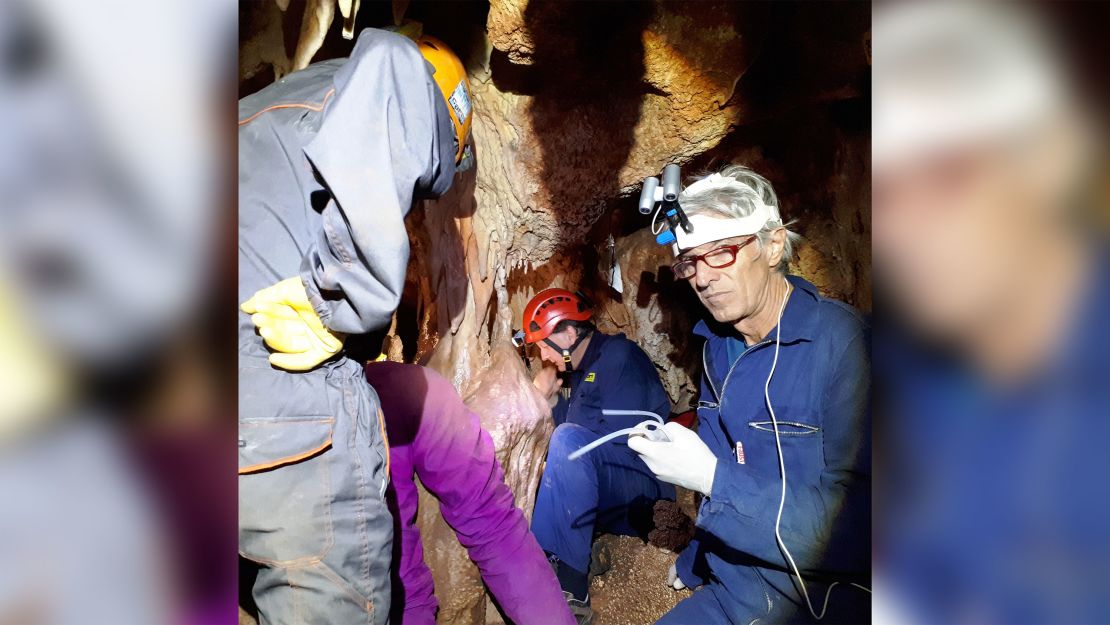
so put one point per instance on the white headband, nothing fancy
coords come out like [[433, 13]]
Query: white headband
[[998, 78], [708, 228], [712, 181]]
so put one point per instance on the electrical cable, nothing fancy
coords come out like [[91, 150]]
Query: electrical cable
[[654, 217], [578, 453], [782, 471]]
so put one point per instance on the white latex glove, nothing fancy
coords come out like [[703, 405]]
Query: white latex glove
[[673, 580], [685, 460]]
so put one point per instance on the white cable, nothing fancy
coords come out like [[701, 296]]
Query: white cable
[[578, 453], [782, 471], [639, 413], [654, 216]]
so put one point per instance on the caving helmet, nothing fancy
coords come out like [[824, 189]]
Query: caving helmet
[[450, 76], [546, 310]]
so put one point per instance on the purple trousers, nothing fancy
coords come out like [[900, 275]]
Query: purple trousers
[[433, 435]]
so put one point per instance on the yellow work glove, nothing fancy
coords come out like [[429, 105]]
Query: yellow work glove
[[33, 382], [290, 326]]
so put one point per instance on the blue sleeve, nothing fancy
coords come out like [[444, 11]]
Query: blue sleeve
[[559, 411], [628, 381], [826, 526]]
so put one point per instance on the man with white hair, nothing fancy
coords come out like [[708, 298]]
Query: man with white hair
[[993, 371], [782, 453]]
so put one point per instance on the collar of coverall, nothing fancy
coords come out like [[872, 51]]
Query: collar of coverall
[[799, 320]]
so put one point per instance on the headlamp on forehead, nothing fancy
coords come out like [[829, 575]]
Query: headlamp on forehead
[[664, 199], [708, 227]]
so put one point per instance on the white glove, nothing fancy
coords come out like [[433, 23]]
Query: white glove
[[673, 580], [684, 460]]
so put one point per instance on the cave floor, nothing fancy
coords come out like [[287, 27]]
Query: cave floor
[[634, 590]]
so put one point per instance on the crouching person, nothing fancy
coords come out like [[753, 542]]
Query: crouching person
[[610, 488], [432, 435], [783, 448]]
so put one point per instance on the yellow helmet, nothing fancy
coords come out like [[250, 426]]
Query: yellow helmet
[[450, 75]]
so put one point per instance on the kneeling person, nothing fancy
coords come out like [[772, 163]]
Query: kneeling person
[[607, 488], [783, 447]]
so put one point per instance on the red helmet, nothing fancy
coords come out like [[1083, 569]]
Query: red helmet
[[548, 308]]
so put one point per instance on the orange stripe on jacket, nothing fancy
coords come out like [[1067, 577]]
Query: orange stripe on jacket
[[294, 105], [286, 460]]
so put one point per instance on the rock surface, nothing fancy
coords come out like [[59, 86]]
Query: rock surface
[[575, 103]]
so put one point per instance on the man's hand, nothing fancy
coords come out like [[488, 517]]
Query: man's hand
[[548, 382], [290, 326], [673, 580], [684, 460]]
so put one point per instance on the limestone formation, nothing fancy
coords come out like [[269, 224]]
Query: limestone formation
[[575, 103]]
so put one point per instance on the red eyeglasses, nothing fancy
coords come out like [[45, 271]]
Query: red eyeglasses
[[717, 258]]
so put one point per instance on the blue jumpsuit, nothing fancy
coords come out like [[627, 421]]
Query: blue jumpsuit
[[997, 503], [598, 491], [330, 159], [821, 396]]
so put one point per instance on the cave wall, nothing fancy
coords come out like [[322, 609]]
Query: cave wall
[[564, 139], [575, 103]]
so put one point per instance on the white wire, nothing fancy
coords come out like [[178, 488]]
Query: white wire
[[641, 413], [578, 453], [782, 470], [654, 216]]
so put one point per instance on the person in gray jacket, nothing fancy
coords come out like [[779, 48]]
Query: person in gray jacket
[[330, 160]]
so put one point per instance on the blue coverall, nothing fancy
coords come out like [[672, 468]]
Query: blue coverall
[[821, 397], [997, 504], [598, 491], [330, 160]]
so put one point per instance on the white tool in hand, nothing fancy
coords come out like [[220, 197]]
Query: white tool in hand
[[682, 458], [652, 429]]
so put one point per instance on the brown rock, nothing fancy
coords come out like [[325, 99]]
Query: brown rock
[[673, 528], [657, 312], [264, 47], [574, 104]]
